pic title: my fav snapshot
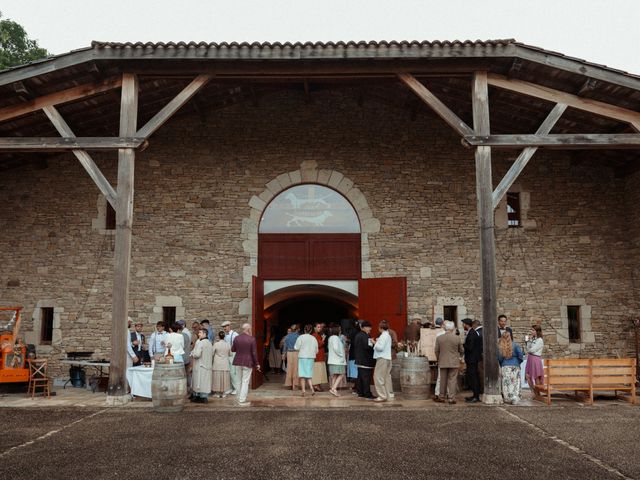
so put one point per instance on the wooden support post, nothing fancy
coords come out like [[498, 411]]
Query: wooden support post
[[484, 191], [124, 219]]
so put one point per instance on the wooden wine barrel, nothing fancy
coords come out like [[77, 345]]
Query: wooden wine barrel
[[415, 378], [396, 367], [168, 387]]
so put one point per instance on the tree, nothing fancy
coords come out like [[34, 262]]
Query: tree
[[16, 47]]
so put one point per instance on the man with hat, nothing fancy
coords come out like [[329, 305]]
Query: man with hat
[[229, 336], [472, 357], [363, 352]]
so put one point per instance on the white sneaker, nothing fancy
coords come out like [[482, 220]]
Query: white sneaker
[[244, 404], [233, 392], [392, 395]]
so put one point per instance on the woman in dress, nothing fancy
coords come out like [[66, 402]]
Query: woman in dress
[[337, 360], [289, 351], [307, 347], [221, 381], [534, 373], [510, 357], [201, 373], [275, 355], [175, 343]]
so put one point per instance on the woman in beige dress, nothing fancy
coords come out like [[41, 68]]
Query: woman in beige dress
[[221, 381]]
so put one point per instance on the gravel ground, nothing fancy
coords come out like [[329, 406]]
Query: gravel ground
[[442, 443]]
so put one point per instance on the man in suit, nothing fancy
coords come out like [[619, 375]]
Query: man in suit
[[246, 358], [448, 350], [472, 357], [363, 351], [136, 340], [502, 326]]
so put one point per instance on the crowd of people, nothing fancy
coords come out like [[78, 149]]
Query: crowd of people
[[217, 363], [220, 363]]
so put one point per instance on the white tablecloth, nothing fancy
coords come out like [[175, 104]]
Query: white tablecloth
[[139, 379]]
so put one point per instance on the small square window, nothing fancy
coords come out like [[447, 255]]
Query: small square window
[[513, 210], [110, 218], [46, 325], [168, 316], [573, 315], [451, 314]]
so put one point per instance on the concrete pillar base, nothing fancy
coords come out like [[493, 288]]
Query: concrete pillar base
[[118, 400], [490, 399]]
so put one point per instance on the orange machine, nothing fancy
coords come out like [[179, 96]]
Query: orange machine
[[13, 352]]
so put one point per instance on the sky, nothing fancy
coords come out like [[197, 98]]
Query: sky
[[606, 32]]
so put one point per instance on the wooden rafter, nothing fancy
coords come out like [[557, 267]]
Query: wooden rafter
[[173, 106], [57, 98], [593, 106], [440, 108], [559, 141], [85, 159], [49, 144], [524, 157]]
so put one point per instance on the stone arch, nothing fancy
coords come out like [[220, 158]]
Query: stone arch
[[307, 173]]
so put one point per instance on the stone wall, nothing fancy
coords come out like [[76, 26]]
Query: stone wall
[[194, 184], [632, 206]]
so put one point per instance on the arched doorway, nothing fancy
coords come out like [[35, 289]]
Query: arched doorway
[[310, 265]]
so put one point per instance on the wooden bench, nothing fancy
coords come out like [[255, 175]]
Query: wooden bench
[[586, 375], [565, 375], [614, 374]]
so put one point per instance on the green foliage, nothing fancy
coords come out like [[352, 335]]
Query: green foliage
[[16, 47]]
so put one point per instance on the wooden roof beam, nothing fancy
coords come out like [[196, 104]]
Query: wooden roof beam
[[436, 105], [173, 106], [524, 157], [52, 144], [64, 96], [574, 101], [558, 141], [83, 157]]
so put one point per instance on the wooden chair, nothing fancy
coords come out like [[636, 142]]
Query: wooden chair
[[39, 378]]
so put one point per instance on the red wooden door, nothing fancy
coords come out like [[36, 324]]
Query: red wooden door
[[257, 287], [383, 299]]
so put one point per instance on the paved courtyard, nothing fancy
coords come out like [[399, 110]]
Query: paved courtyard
[[317, 438]]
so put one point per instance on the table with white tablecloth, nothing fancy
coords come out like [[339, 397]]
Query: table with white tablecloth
[[139, 379]]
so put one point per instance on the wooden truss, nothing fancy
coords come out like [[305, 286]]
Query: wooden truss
[[487, 198], [132, 138]]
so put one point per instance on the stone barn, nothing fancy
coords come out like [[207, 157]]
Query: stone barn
[[280, 183]]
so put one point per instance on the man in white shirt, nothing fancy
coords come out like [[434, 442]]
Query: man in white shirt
[[229, 336], [157, 341], [382, 356]]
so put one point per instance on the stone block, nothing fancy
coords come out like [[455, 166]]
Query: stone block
[[323, 177], [284, 180], [371, 225], [257, 203], [275, 186], [335, 179], [296, 177]]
